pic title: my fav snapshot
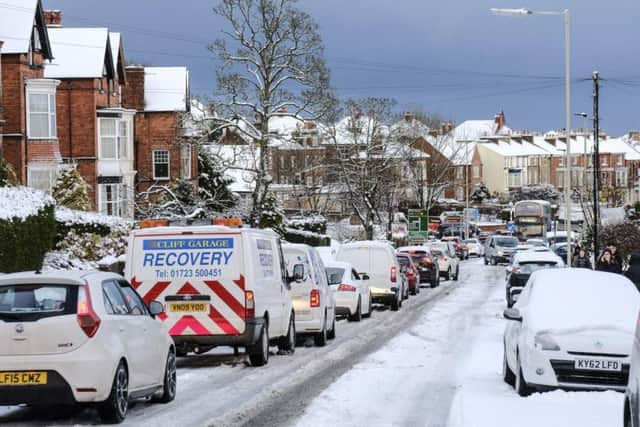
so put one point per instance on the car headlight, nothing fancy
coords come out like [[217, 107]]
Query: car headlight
[[546, 342], [500, 253]]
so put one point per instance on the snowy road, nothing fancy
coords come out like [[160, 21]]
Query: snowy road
[[435, 363]]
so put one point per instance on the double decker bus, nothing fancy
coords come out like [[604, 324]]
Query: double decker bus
[[532, 218]]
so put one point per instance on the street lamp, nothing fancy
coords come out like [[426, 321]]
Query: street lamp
[[567, 71]]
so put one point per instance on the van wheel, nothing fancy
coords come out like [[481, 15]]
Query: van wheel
[[320, 338], [486, 262], [332, 333], [395, 304], [507, 374], [521, 386], [457, 274], [357, 316], [493, 261], [114, 409], [447, 275], [368, 314], [259, 352], [288, 342], [169, 386]]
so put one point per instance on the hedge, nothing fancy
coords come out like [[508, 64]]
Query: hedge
[[25, 241], [292, 235]]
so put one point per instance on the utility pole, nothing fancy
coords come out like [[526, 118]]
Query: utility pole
[[596, 162]]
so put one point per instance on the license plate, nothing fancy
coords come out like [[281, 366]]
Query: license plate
[[189, 307], [598, 364], [23, 378]]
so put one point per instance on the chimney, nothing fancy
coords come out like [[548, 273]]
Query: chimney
[[408, 116], [498, 119], [53, 18], [447, 127], [133, 92]]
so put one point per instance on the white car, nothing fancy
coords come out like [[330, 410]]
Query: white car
[[571, 329], [313, 300], [474, 247], [82, 337], [536, 242], [448, 262], [353, 297], [377, 260]]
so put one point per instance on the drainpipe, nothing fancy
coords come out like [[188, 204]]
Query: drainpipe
[[70, 116]]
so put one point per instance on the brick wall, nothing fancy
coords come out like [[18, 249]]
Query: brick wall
[[15, 70], [133, 92]]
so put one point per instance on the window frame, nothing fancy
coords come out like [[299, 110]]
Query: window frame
[[168, 163], [107, 299], [123, 284], [51, 113]]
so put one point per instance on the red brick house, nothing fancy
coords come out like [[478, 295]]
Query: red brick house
[[160, 96], [30, 140], [95, 133]]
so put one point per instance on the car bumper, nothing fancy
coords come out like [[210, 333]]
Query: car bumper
[[428, 275], [83, 375], [346, 303], [548, 371], [384, 296], [250, 336]]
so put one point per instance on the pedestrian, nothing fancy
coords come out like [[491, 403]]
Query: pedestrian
[[607, 263], [633, 272], [617, 259], [581, 259]]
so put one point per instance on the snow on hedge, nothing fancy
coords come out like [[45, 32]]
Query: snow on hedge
[[70, 217], [22, 202]]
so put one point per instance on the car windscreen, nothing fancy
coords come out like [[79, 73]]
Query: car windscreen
[[418, 256], [28, 302], [334, 274], [403, 261], [437, 252], [471, 241], [507, 242], [530, 267]]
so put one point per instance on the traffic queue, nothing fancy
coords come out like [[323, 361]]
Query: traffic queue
[[106, 339]]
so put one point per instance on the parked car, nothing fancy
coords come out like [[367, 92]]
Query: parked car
[[377, 260], [554, 237], [498, 249], [82, 337], [632, 393], [536, 242], [523, 265], [313, 301], [222, 286], [461, 249], [448, 262], [474, 247], [560, 249], [425, 262], [411, 273], [571, 329], [351, 291]]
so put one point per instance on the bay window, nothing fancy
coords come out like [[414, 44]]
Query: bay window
[[114, 138], [113, 199], [41, 115]]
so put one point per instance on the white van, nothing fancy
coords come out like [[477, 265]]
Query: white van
[[313, 299], [377, 261], [221, 286]]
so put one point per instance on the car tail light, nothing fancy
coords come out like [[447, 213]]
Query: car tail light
[[394, 274], [87, 318], [427, 260], [410, 273], [347, 288], [249, 305], [314, 299]]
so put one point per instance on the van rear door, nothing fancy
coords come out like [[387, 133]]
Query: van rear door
[[198, 275]]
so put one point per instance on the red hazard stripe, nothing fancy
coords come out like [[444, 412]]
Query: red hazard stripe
[[236, 306], [240, 282], [135, 283], [187, 289], [191, 323], [222, 322], [155, 291]]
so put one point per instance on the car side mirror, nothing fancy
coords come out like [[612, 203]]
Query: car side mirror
[[364, 276], [155, 308], [298, 273], [512, 314]]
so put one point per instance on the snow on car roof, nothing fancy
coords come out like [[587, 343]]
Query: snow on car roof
[[566, 300], [338, 264], [414, 248], [537, 256]]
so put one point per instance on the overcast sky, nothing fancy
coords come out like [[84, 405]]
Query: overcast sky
[[453, 57]]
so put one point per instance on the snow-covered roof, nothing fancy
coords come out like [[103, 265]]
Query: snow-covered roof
[[239, 162], [166, 88], [579, 145], [410, 128], [16, 24], [285, 124], [80, 53], [612, 296], [510, 148], [358, 130], [114, 38]]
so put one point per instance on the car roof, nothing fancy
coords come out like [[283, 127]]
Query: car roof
[[69, 277], [365, 243], [338, 264], [536, 256], [408, 249]]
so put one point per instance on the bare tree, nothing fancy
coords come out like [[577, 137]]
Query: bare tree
[[366, 168], [272, 61]]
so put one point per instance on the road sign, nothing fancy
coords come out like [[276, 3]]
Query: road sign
[[511, 227]]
